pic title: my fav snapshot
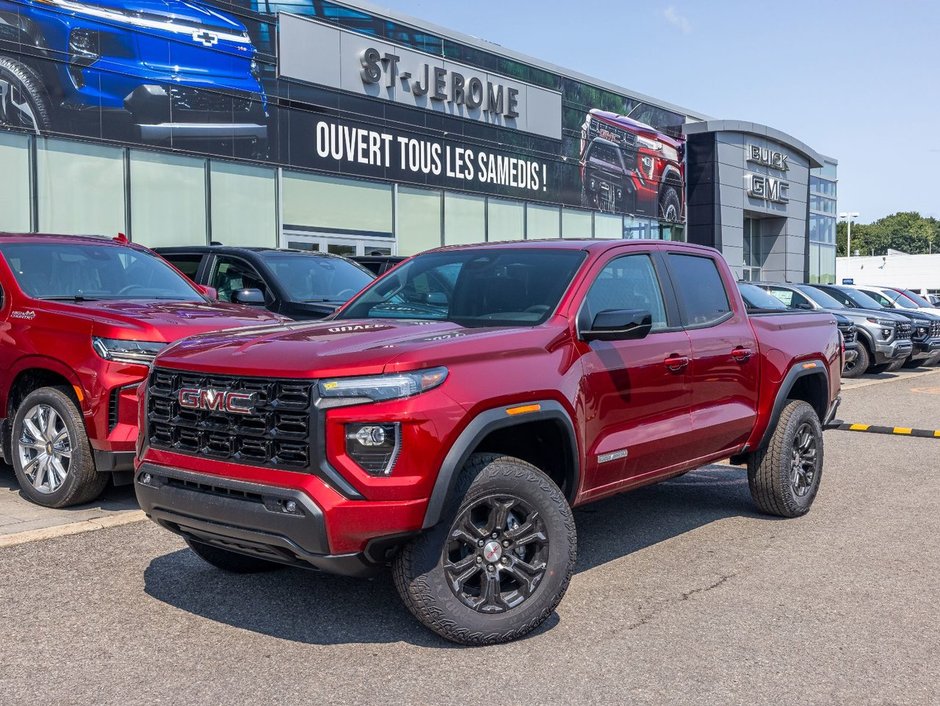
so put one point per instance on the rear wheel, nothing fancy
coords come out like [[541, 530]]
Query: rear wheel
[[233, 562], [670, 207], [784, 477], [858, 366], [500, 560]]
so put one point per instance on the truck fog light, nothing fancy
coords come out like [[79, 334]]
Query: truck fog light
[[886, 333], [146, 478], [374, 447]]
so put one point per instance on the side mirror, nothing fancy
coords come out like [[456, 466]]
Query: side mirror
[[805, 306], [251, 297], [619, 325], [210, 292], [436, 299]]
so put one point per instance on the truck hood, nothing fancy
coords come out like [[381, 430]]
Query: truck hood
[[153, 320], [193, 14], [350, 347]]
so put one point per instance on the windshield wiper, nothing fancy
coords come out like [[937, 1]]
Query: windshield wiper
[[328, 300], [69, 298]]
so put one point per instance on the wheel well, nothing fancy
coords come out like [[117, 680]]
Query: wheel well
[[812, 389], [33, 379], [544, 443]]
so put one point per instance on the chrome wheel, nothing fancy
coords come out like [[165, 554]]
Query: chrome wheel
[[803, 460], [44, 448], [15, 107], [496, 554]]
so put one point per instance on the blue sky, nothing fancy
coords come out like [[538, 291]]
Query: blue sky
[[857, 81]]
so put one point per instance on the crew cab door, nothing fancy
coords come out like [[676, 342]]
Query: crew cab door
[[634, 393], [724, 370]]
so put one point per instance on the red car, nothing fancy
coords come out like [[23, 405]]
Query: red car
[[448, 418], [82, 319], [630, 167]]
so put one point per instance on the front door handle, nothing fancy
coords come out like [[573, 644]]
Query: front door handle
[[742, 354], [676, 363]]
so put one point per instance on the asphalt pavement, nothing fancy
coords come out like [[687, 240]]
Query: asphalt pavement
[[683, 594]]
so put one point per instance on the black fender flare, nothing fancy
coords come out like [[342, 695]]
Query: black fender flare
[[805, 368], [478, 428]]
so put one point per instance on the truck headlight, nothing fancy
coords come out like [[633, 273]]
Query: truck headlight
[[121, 351], [374, 447], [648, 143], [881, 322], [338, 392]]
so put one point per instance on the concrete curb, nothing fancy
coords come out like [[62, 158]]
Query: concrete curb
[[115, 520]]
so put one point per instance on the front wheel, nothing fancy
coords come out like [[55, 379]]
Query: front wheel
[[859, 366], [500, 560], [670, 206], [52, 458], [784, 477]]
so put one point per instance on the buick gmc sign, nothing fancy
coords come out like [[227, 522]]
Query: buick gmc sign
[[318, 53]]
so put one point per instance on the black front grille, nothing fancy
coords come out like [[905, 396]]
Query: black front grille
[[622, 137], [935, 329], [904, 331], [191, 99], [277, 433]]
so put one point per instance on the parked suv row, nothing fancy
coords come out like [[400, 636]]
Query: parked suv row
[[887, 337]]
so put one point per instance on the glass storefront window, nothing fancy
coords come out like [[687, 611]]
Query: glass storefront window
[[505, 220], [168, 199], [418, 215], [15, 191], [542, 221], [576, 224], [464, 218], [640, 228], [243, 204], [80, 188], [608, 226], [322, 203]]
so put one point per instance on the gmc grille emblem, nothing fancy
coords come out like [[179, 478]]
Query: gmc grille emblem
[[206, 38], [216, 400]]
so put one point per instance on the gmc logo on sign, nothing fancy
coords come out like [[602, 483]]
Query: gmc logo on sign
[[216, 400]]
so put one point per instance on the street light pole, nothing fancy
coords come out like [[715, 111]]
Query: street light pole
[[848, 218]]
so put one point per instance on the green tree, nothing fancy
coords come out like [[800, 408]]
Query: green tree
[[907, 231]]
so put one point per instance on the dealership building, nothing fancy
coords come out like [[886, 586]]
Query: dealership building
[[342, 127]]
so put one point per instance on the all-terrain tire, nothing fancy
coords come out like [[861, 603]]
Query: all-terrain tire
[[878, 369], [419, 569], [81, 483], [910, 363], [233, 562], [24, 102], [859, 366], [932, 360], [670, 205], [770, 471]]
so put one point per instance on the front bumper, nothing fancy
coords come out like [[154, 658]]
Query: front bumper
[[274, 523], [925, 348], [886, 352]]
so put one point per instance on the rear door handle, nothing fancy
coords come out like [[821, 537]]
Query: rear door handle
[[676, 363], [741, 354]]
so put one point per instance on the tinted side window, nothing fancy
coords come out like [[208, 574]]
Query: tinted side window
[[187, 264], [627, 282], [229, 275], [700, 289]]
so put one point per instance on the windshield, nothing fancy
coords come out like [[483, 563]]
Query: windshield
[[475, 287], [896, 297], [757, 299], [88, 271], [853, 297], [315, 278], [916, 298], [821, 298]]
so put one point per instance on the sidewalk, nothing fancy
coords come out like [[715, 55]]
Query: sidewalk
[[18, 515]]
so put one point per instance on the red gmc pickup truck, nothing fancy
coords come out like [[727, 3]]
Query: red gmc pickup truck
[[81, 320], [447, 419]]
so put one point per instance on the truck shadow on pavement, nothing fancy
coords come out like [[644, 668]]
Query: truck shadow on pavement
[[312, 608]]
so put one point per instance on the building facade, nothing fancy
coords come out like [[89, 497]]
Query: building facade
[[338, 126]]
